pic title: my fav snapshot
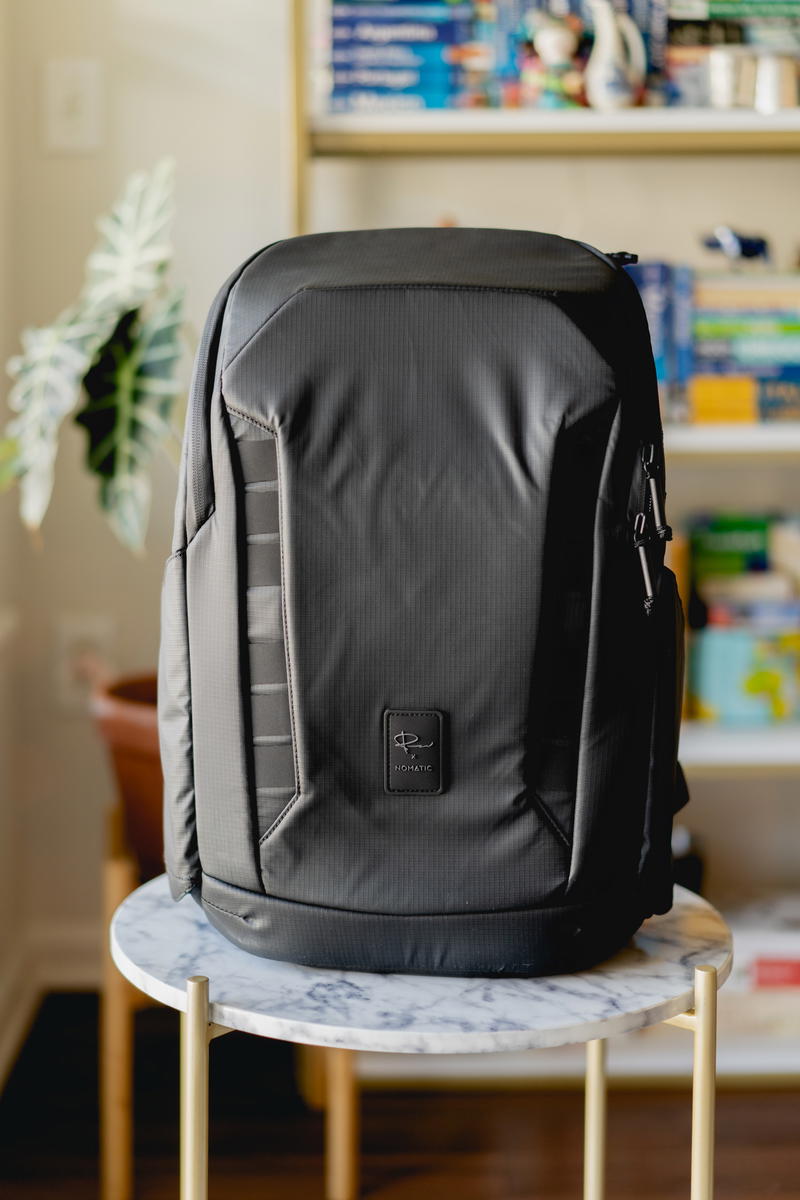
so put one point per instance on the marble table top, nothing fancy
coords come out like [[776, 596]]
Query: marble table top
[[158, 944]]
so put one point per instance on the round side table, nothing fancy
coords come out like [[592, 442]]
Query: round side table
[[670, 972]]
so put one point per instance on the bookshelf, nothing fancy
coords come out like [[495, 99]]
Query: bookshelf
[[708, 752], [498, 132]]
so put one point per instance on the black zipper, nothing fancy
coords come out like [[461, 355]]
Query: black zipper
[[650, 523]]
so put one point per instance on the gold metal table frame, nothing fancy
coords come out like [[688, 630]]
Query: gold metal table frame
[[342, 1100]]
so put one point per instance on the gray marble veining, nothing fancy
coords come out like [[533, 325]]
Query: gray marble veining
[[158, 944]]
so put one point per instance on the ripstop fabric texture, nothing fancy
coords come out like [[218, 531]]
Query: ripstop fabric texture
[[415, 712]]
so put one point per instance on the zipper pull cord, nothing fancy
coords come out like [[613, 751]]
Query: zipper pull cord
[[641, 540], [651, 472]]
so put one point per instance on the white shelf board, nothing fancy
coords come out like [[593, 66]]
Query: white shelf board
[[660, 1058], [771, 438], [532, 120], [637, 130], [718, 747]]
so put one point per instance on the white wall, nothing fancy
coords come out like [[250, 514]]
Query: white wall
[[203, 80]]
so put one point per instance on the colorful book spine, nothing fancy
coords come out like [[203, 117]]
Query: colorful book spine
[[667, 292], [396, 79], [381, 32], [752, 352], [404, 5], [653, 279], [733, 368], [727, 323], [747, 293], [747, 348], [394, 54], [427, 10], [682, 328], [397, 56], [370, 100], [406, 23]]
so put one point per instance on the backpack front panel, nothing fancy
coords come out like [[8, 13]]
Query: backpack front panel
[[428, 442]]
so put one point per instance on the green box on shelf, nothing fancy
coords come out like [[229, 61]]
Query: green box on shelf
[[730, 544]]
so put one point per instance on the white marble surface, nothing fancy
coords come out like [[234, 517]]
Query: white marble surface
[[158, 944]]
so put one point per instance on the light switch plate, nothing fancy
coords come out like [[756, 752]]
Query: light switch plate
[[73, 106]]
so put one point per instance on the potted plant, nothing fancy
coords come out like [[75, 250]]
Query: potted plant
[[110, 362]]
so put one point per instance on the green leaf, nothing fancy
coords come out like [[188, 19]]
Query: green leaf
[[131, 391]]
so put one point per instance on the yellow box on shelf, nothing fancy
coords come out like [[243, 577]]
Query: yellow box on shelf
[[728, 399]]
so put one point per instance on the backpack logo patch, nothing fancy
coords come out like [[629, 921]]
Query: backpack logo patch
[[413, 751], [406, 740]]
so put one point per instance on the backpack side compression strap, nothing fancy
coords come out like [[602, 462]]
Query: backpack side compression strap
[[194, 505]]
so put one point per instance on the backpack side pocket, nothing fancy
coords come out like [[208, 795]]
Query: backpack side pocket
[[175, 732], [665, 786]]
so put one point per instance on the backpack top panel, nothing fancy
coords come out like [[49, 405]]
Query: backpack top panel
[[490, 258]]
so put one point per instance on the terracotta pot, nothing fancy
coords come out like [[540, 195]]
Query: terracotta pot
[[125, 714]]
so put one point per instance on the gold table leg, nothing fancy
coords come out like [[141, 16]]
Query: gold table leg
[[704, 1080], [195, 1033], [341, 1126], [118, 1002], [594, 1131]]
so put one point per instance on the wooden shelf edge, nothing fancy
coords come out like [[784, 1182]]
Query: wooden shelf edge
[[521, 132], [394, 143]]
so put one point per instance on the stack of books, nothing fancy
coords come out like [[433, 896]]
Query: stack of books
[[404, 55], [726, 345], [766, 966], [398, 55], [667, 292], [745, 659], [746, 332]]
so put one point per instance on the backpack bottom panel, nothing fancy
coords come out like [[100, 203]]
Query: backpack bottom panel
[[517, 942]]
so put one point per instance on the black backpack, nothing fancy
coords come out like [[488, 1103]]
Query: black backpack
[[421, 662]]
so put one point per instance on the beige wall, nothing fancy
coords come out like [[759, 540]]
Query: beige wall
[[203, 80], [200, 81], [652, 205], [9, 537]]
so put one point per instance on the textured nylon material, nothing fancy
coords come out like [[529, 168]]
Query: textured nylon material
[[424, 463], [525, 942], [415, 496], [496, 258]]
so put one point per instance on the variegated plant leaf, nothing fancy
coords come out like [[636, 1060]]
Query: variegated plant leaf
[[131, 391], [134, 250], [125, 268], [126, 503], [47, 383]]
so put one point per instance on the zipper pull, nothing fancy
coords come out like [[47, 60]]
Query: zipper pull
[[623, 258], [640, 541], [651, 469]]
